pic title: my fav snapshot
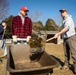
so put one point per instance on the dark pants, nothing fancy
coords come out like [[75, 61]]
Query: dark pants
[[69, 45]]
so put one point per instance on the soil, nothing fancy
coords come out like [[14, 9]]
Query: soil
[[26, 65]]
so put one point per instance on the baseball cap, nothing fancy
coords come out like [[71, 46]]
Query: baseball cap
[[24, 8], [62, 10]]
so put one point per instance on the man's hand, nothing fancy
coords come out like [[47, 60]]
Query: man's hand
[[28, 38], [56, 35], [14, 38]]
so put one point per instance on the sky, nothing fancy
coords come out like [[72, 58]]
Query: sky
[[47, 8]]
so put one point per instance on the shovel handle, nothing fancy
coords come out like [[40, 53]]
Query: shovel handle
[[50, 39]]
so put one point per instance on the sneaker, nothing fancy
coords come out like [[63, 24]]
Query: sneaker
[[64, 67]]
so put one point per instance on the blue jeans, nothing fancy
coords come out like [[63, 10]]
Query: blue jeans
[[4, 48]]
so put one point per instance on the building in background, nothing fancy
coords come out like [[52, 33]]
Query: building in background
[[50, 34]]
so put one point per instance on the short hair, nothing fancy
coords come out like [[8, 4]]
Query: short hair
[[3, 22]]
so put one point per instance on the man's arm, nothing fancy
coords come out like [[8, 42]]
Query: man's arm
[[1, 29], [30, 26], [13, 26], [61, 32], [65, 29]]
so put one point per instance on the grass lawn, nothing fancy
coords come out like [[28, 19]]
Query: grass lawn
[[52, 49]]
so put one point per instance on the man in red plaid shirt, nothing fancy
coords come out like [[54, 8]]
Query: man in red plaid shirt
[[21, 24]]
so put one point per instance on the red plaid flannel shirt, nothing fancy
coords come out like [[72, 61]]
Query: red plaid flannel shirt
[[19, 29]]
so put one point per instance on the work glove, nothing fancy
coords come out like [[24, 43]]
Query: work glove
[[28, 38], [14, 38]]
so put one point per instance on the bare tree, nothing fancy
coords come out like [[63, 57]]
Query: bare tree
[[35, 16], [3, 9], [58, 20]]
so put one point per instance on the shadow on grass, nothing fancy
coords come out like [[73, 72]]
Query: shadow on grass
[[62, 63], [59, 61]]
